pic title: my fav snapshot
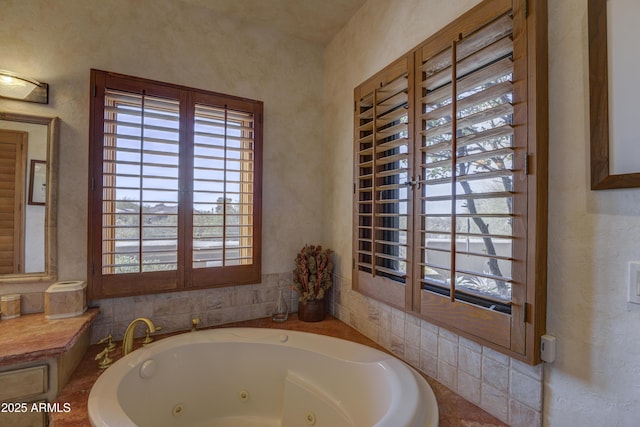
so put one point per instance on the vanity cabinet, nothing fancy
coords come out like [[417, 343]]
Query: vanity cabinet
[[20, 388], [20, 384], [37, 358], [26, 419]]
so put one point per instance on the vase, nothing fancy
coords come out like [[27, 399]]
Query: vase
[[281, 310], [312, 310]]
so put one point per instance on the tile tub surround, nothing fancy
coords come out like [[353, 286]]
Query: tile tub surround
[[454, 410], [174, 311], [505, 387]]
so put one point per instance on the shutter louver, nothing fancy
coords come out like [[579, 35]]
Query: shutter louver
[[365, 187], [391, 173], [140, 183], [383, 174], [467, 165], [223, 186]]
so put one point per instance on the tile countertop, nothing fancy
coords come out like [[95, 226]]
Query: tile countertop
[[32, 337], [454, 410]]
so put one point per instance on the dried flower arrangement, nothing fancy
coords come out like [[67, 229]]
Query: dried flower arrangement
[[312, 275]]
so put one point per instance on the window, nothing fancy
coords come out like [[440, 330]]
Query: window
[[449, 209], [175, 191]]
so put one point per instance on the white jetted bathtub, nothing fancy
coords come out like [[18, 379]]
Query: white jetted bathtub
[[245, 377]]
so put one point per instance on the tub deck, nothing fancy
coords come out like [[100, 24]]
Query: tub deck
[[454, 410]]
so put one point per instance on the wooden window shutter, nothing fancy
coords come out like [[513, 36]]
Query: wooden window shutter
[[450, 214], [226, 221], [383, 176], [141, 151], [473, 151], [175, 200]]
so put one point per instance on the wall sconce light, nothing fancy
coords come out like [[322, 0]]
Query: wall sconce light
[[13, 86]]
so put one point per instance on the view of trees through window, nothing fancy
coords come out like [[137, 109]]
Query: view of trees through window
[[471, 207], [161, 225]]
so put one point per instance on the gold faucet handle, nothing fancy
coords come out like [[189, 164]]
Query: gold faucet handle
[[108, 340], [148, 339], [105, 360], [194, 323]]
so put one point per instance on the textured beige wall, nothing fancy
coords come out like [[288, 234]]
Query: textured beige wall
[[58, 42], [592, 235]]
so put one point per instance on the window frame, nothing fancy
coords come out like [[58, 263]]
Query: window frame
[[185, 277], [517, 334]]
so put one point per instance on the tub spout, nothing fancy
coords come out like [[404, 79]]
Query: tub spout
[[127, 341]]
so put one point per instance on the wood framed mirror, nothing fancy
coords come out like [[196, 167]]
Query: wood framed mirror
[[615, 142]]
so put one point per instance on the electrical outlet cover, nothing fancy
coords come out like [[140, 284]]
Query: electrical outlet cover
[[548, 348]]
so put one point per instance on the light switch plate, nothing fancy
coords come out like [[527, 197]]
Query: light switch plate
[[634, 282]]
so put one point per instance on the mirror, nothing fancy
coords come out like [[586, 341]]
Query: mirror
[[613, 67], [28, 172]]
